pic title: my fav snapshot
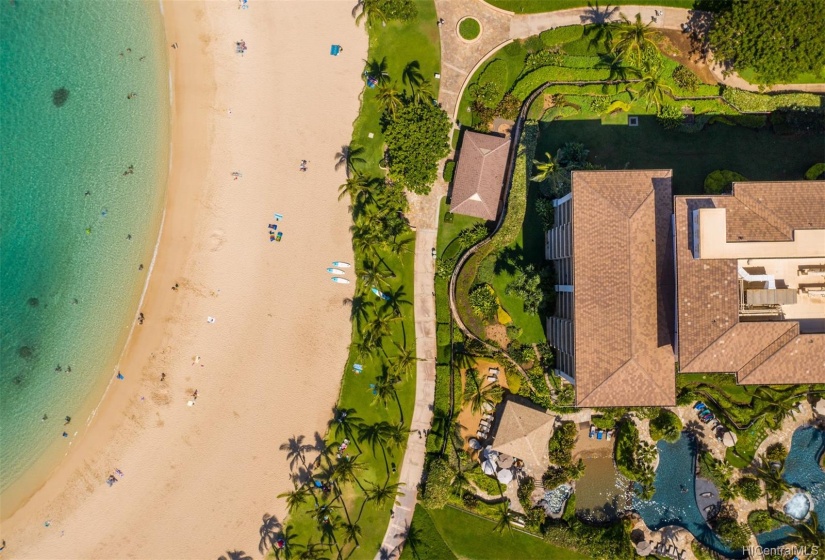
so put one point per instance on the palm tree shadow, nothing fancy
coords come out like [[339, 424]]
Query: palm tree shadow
[[509, 260], [270, 528], [235, 555], [593, 15]]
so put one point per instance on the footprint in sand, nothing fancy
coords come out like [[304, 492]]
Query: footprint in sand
[[216, 240]]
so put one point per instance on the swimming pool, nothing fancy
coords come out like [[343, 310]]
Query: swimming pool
[[803, 471], [674, 502]]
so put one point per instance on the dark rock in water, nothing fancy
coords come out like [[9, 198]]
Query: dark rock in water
[[34, 302], [60, 96], [25, 352]]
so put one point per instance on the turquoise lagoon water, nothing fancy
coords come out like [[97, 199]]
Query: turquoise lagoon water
[[803, 471], [69, 277], [670, 505]]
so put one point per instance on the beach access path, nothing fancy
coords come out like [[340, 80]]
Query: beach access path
[[460, 58], [202, 480], [412, 467]]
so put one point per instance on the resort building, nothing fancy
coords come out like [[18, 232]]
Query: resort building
[[478, 184], [522, 431], [749, 285]]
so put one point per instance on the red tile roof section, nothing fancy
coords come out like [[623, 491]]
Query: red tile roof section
[[479, 176]]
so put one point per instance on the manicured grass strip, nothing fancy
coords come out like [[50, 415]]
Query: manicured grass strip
[[538, 6], [473, 538], [469, 28]]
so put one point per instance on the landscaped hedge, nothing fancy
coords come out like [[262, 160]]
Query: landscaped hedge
[[748, 102], [815, 172], [561, 35], [517, 200], [449, 170], [532, 80]]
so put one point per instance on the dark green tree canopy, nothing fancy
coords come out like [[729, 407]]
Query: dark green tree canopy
[[417, 137], [779, 39]]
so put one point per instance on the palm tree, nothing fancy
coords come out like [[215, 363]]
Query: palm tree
[[344, 421], [396, 436], [378, 70], [369, 9], [404, 361], [376, 434], [349, 157], [359, 188], [396, 299], [505, 520], [351, 533], [371, 275], [411, 76], [619, 72], [312, 551], [807, 535], [634, 37], [424, 92], [295, 451], [384, 389], [477, 394], [295, 498], [389, 97], [543, 168], [383, 494], [288, 545], [379, 327], [772, 477], [345, 469], [363, 348], [652, 88], [363, 239], [599, 27]]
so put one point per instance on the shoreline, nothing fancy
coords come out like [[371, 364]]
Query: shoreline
[[271, 364]]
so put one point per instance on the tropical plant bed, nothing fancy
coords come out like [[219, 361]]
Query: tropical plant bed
[[538, 6]]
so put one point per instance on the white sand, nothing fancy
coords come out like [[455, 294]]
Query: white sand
[[199, 479]]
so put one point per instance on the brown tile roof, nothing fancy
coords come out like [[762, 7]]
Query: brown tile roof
[[479, 176], [711, 338], [623, 278], [523, 432]]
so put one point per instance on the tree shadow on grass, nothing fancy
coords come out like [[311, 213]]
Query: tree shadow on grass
[[269, 531]]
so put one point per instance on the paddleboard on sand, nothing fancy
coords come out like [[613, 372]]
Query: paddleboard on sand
[[340, 280], [335, 271], [340, 264]]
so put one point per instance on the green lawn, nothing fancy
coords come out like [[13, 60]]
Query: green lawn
[[471, 537], [400, 43], [805, 78], [536, 6], [759, 155]]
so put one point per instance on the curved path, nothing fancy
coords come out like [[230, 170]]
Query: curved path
[[459, 59]]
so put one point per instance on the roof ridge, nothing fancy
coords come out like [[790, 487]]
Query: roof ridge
[[754, 205], [793, 328], [708, 345]]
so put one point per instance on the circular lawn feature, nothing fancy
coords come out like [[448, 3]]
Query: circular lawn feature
[[469, 29]]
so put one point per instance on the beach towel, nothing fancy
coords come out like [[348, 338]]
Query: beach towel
[[334, 50]]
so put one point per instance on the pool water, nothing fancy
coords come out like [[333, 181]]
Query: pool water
[[601, 493], [674, 502], [803, 471]]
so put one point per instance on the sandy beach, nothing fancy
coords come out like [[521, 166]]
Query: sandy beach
[[197, 480]]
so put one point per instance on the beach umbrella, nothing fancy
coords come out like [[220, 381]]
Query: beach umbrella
[[488, 467], [474, 443], [729, 439], [820, 407], [505, 461], [644, 548], [505, 476]]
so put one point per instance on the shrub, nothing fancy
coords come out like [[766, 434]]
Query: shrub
[[603, 422], [560, 35], [525, 489], [508, 107], [720, 181], [815, 172], [483, 300], [417, 138], [447, 175], [541, 58], [734, 534], [404, 10], [670, 117], [761, 521], [470, 500], [437, 486], [545, 210], [560, 446], [536, 517], [599, 104], [533, 44], [749, 488], [487, 94], [469, 28], [471, 235], [685, 79], [513, 381], [776, 453], [666, 426], [448, 217], [488, 484], [532, 80], [748, 102]]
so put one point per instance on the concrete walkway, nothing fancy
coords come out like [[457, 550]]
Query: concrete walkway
[[460, 59], [412, 466]]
